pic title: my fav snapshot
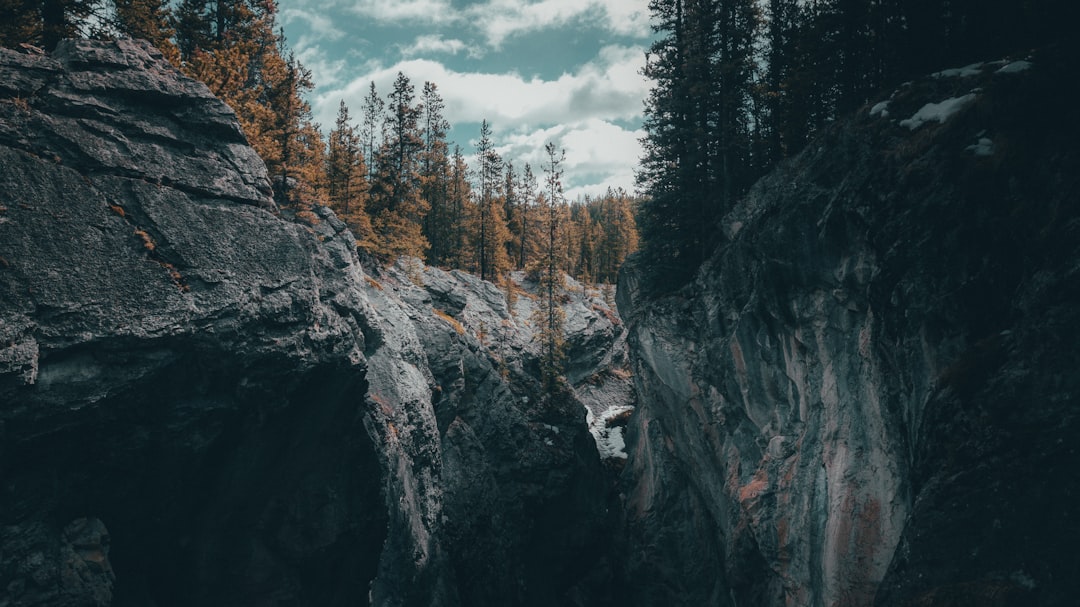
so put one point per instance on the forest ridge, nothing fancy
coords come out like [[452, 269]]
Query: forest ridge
[[391, 175], [738, 85]]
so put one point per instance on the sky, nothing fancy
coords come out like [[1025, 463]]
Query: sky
[[539, 71]]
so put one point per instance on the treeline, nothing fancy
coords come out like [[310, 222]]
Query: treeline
[[404, 189], [742, 84], [391, 175]]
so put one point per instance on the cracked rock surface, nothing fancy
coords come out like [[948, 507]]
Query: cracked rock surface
[[203, 402], [869, 395]]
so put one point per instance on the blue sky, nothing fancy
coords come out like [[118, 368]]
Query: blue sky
[[566, 71]]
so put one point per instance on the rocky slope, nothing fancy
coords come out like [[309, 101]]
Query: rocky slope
[[203, 402], [869, 395]]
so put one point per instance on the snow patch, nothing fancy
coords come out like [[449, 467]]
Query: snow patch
[[984, 147], [1015, 67], [880, 108], [960, 72], [939, 112], [609, 439]]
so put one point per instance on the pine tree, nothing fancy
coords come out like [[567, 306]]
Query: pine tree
[[20, 22], [149, 20], [512, 209], [459, 196], [346, 178], [44, 23], [786, 81], [620, 233], [396, 203], [435, 175], [697, 145], [549, 316], [490, 232], [526, 227], [193, 28], [371, 129], [231, 45]]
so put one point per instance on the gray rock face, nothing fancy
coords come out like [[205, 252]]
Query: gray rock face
[[205, 403], [869, 395]]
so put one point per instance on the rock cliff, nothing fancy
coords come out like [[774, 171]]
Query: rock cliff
[[869, 395], [205, 402]]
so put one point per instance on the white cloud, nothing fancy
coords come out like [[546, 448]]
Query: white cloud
[[628, 17], [321, 26], [498, 20], [324, 70], [580, 110], [599, 154], [396, 11], [501, 19], [435, 44], [609, 88]]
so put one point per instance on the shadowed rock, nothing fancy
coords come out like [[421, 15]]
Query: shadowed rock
[[203, 402], [869, 394]]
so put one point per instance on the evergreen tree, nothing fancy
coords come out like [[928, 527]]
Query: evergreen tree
[[346, 178], [231, 45], [526, 226], [614, 233], [396, 203], [435, 176], [512, 209], [44, 23], [459, 196], [697, 145], [490, 232], [583, 242], [548, 315], [150, 20], [20, 22], [786, 80], [371, 129]]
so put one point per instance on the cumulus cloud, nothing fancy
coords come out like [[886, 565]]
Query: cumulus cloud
[[609, 87], [497, 20], [320, 26], [599, 154], [592, 110], [578, 111], [430, 44], [324, 70], [397, 11], [501, 19]]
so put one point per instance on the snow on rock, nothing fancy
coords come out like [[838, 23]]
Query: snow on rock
[[960, 72], [880, 108], [1014, 67], [939, 112], [608, 434], [984, 147]]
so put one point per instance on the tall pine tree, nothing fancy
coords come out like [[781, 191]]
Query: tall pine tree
[[525, 225], [396, 202], [346, 177], [490, 231], [697, 145], [435, 175], [549, 315]]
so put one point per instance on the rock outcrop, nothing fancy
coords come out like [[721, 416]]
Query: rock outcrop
[[204, 402], [869, 395]]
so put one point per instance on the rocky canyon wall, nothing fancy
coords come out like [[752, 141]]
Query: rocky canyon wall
[[869, 394], [206, 402]]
